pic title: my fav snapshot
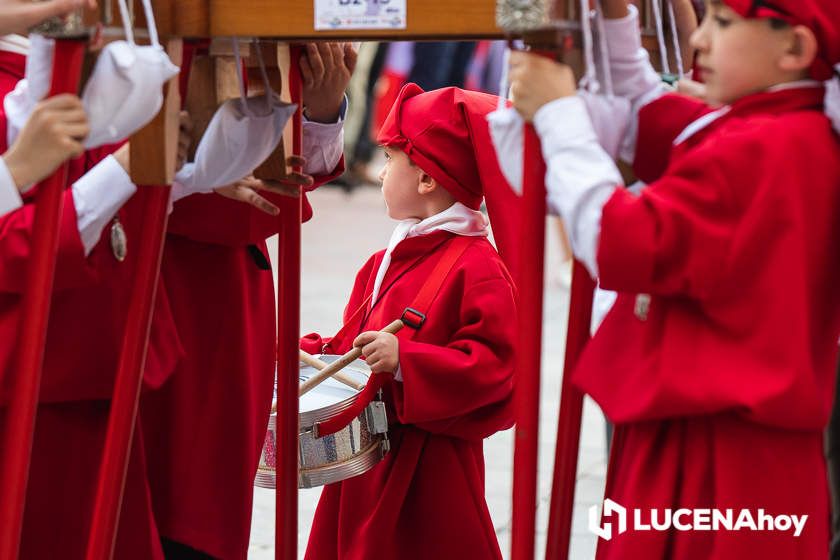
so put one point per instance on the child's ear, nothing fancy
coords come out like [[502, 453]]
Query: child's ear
[[802, 51], [427, 184]]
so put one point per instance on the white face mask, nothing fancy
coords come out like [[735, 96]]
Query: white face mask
[[125, 90], [240, 137]]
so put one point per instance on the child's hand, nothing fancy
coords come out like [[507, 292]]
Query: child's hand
[[536, 80], [53, 134], [247, 190], [326, 69], [380, 349]]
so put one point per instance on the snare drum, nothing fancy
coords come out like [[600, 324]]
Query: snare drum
[[351, 451]]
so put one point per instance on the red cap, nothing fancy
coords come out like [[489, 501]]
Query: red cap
[[820, 16], [435, 130]]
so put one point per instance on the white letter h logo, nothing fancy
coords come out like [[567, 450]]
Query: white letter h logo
[[605, 531]]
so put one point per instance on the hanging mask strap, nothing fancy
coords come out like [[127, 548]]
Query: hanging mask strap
[[676, 39], [269, 91], [150, 22], [126, 20], [243, 94], [660, 36], [602, 46], [128, 25], [589, 81]]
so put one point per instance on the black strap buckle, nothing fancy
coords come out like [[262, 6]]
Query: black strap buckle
[[413, 318]]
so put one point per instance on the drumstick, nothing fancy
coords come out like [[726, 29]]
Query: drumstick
[[342, 362], [311, 360]]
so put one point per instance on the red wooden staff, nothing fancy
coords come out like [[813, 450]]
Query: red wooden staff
[[529, 358], [552, 42], [35, 310], [129, 378], [288, 344], [568, 423]]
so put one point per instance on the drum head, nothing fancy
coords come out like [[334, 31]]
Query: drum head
[[331, 391]]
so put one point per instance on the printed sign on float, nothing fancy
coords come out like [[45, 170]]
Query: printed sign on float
[[359, 14]]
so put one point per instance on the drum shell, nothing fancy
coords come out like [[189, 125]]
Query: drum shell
[[349, 452]]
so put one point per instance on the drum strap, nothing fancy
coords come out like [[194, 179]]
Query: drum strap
[[414, 317]]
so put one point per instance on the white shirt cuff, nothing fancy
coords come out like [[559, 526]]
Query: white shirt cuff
[[323, 144], [18, 106], [9, 195], [398, 374], [623, 35], [580, 175], [98, 195]]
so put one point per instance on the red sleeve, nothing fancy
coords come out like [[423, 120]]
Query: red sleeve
[[660, 123], [463, 389], [72, 269], [675, 237]]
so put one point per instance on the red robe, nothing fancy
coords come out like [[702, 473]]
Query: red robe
[[721, 389], [86, 323], [209, 421], [426, 498]]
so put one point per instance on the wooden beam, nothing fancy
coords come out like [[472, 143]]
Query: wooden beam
[[155, 147], [455, 19]]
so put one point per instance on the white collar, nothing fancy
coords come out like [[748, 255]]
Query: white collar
[[709, 118], [794, 85], [700, 124], [457, 219]]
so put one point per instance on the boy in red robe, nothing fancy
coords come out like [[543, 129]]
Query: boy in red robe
[[717, 362], [452, 378]]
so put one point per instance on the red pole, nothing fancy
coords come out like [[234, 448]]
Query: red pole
[[121, 421], [35, 310], [568, 423], [288, 343], [528, 362]]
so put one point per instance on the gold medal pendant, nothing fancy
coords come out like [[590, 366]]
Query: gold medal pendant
[[119, 242]]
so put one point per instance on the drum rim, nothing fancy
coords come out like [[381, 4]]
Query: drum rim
[[329, 474], [307, 419]]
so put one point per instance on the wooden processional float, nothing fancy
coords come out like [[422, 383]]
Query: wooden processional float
[[545, 24]]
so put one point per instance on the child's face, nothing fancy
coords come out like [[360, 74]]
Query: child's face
[[400, 185], [738, 56]]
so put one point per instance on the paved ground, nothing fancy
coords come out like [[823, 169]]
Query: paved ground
[[345, 231]]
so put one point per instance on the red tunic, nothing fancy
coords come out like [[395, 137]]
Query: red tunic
[[721, 389], [426, 498], [87, 319], [209, 421]]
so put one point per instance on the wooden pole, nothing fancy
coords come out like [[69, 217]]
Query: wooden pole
[[288, 343], [568, 423], [35, 310], [159, 140], [528, 361]]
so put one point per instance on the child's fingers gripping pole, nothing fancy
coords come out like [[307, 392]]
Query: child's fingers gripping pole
[[342, 362]]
